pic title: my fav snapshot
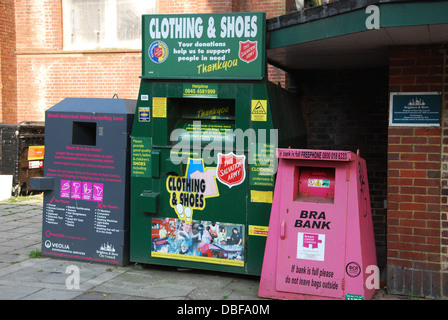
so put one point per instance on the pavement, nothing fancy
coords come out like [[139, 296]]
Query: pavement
[[24, 277]]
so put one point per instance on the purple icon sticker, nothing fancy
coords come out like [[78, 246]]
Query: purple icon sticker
[[65, 189], [76, 190], [87, 190], [97, 192]]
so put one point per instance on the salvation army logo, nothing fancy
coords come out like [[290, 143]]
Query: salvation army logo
[[248, 51], [231, 169], [158, 51]]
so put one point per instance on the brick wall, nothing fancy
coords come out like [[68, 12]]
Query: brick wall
[[444, 180], [45, 79], [416, 209], [347, 110], [8, 88], [199, 6], [46, 73], [38, 25]]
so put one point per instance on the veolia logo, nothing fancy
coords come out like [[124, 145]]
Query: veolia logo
[[49, 244]]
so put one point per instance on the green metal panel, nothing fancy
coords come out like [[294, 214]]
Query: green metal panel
[[401, 14], [413, 14], [319, 29]]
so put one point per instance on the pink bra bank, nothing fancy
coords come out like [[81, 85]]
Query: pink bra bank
[[320, 242]]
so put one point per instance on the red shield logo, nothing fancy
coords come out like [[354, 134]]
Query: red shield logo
[[248, 51], [158, 52], [231, 169]]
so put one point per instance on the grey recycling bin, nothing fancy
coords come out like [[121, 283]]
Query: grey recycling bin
[[86, 180]]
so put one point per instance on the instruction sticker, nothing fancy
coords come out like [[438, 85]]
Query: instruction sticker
[[158, 107], [261, 196], [258, 110], [141, 148]]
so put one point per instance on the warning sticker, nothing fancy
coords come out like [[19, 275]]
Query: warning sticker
[[318, 183], [258, 110]]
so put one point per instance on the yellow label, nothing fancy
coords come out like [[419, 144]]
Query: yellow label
[[158, 107], [227, 262], [258, 110], [258, 231], [261, 196]]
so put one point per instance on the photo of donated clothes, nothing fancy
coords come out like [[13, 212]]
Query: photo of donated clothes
[[203, 241]]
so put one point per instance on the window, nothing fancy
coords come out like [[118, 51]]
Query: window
[[96, 24]]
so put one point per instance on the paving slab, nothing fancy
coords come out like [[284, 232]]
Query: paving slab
[[12, 292], [26, 278]]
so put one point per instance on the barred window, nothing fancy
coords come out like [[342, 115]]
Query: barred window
[[96, 24]]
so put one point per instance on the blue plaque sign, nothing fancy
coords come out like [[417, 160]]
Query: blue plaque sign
[[415, 109]]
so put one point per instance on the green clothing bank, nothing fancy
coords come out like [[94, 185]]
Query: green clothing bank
[[203, 142]]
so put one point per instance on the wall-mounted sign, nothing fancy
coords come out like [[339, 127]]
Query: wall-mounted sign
[[199, 46], [420, 109]]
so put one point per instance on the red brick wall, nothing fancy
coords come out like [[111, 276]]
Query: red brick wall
[[199, 6], [414, 180], [45, 79], [46, 73], [38, 25], [8, 88]]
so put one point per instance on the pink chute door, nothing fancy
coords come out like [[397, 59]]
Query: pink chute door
[[311, 247]]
